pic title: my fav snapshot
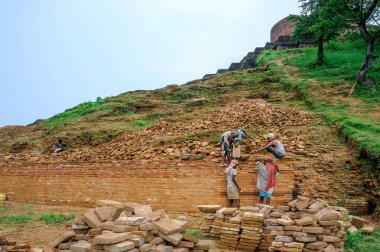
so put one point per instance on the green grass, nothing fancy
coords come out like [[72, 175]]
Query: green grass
[[140, 124], [16, 218], [343, 58], [55, 218], [193, 232], [73, 113], [360, 242]]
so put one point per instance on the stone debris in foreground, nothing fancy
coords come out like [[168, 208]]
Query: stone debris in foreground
[[117, 227], [301, 225]]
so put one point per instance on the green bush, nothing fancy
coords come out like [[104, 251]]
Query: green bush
[[140, 124], [193, 232], [360, 242], [55, 218], [16, 218]]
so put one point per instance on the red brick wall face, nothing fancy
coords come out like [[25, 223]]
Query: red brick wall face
[[281, 28], [176, 186]]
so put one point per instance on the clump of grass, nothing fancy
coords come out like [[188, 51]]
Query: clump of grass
[[360, 242], [16, 218], [55, 218], [140, 124], [193, 232]]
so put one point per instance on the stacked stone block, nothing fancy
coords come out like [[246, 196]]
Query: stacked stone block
[[117, 227], [307, 226], [208, 218], [218, 223], [251, 225]]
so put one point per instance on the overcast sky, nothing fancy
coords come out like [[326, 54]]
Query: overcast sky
[[55, 54]]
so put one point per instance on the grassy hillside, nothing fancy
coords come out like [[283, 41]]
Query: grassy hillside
[[324, 89]]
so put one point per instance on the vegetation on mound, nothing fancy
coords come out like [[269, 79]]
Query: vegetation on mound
[[360, 242], [324, 88], [55, 218]]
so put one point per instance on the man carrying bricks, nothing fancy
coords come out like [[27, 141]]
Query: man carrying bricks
[[227, 140]]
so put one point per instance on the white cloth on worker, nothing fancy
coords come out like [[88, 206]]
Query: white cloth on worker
[[229, 175], [232, 190], [240, 136], [262, 178], [280, 148]]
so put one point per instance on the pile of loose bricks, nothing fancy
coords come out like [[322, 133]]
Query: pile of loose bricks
[[7, 245], [300, 226], [117, 227]]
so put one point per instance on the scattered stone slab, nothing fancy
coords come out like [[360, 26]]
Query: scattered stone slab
[[91, 219], [81, 246], [173, 238], [119, 247], [209, 208], [130, 221], [112, 238], [367, 229], [168, 226], [357, 222], [63, 238]]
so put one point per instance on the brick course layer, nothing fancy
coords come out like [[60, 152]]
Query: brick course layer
[[178, 186]]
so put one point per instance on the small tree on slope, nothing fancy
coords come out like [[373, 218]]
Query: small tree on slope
[[312, 24], [362, 13]]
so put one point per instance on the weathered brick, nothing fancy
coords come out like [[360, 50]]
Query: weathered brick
[[63, 238], [167, 226], [91, 219], [112, 238], [173, 238], [119, 247]]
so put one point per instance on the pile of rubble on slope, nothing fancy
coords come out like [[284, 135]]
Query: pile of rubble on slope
[[7, 245], [149, 143], [117, 227]]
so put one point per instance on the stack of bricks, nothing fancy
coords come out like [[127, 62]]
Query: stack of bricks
[[218, 223], [230, 231], [208, 218], [307, 226], [251, 225], [114, 226]]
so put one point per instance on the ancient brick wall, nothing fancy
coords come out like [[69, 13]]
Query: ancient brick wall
[[281, 28], [178, 186]]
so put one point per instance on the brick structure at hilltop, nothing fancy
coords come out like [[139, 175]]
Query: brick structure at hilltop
[[280, 39], [284, 27]]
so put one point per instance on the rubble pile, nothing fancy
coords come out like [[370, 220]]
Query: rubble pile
[[257, 114], [14, 246], [117, 227], [309, 226]]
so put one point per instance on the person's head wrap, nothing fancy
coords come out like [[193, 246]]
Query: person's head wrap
[[232, 164], [270, 135]]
